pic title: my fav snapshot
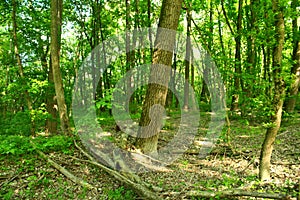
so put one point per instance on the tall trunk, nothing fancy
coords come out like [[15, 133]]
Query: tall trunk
[[51, 104], [221, 37], [170, 95], [51, 123], [247, 87], [128, 50], [56, 21], [20, 65], [149, 25], [295, 71], [204, 91], [156, 94], [237, 67], [187, 60], [278, 98], [99, 87]]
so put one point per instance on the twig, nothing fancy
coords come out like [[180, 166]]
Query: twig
[[250, 163]]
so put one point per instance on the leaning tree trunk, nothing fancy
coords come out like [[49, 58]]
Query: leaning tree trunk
[[56, 17], [295, 71], [156, 94], [278, 99]]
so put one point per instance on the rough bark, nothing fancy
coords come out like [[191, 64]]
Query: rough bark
[[56, 17], [278, 98], [156, 94]]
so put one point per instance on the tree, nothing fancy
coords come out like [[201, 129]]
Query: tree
[[187, 60], [56, 21], [20, 65], [295, 71], [156, 94], [278, 98]]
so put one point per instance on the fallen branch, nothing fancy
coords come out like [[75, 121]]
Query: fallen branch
[[63, 170], [231, 193], [125, 178]]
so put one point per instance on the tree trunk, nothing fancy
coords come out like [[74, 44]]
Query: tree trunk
[[295, 71], [56, 17], [237, 67], [128, 49], [156, 94], [20, 65], [187, 61], [149, 26], [279, 93], [51, 123]]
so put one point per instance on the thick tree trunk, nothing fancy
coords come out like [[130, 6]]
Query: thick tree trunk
[[156, 93], [295, 71], [278, 99], [56, 14]]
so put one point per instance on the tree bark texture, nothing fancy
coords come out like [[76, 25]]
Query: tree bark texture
[[156, 93]]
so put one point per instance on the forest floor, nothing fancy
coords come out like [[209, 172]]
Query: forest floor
[[230, 165]]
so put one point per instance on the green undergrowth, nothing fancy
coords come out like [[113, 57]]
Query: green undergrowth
[[20, 145]]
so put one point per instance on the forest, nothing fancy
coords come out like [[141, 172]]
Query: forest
[[141, 99]]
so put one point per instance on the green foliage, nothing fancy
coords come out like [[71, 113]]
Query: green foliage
[[17, 124], [105, 102], [120, 194], [54, 143], [15, 145], [20, 145], [7, 195]]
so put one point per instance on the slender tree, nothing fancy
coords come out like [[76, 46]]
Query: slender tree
[[56, 22], [19, 62], [156, 94], [187, 60], [237, 66], [279, 93], [295, 71]]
